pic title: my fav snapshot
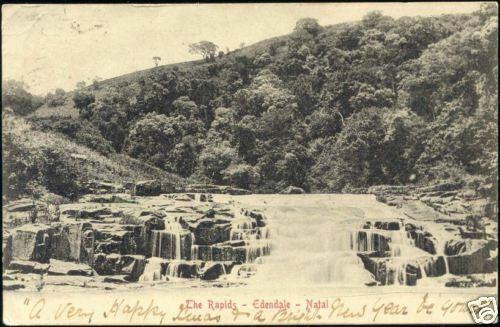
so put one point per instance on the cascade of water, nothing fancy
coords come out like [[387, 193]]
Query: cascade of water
[[173, 269], [194, 252], [154, 240], [169, 243], [256, 250], [152, 271]]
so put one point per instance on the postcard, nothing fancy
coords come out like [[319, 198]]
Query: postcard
[[250, 163]]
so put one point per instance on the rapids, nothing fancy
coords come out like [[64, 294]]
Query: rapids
[[315, 240]]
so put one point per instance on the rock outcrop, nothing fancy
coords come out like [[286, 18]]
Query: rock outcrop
[[148, 188], [150, 238]]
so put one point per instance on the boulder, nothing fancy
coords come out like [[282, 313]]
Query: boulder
[[459, 246], [116, 279], [412, 274], [32, 243], [107, 264], [424, 240], [21, 205], [207, 233], [386, 273], [131, 266], [29, 267], [103, 187], [58, 267], [90, 213], [119, 239], [387, 225], [183, 197], [214, 270], [210, 213], [471, 262], [73, 241], [182, 269], [258, 216], [12, 285], [148, 188], [293, 190], [433, 266], [6, 250], [472, 235]]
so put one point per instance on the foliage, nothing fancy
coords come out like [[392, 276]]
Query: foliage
[[79, 131], [56, 99], [383, 100], [18, 99], [45, 164], [206, 48], [165, 141]]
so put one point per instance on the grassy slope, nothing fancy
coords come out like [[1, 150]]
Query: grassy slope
[[87, 163], [68, 110]]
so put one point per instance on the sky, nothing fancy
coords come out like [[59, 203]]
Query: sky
[[50, 46]]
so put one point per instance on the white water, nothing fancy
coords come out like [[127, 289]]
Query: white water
[[315, 240], [312, 240], [169, 242]]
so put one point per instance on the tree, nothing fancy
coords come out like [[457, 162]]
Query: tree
[[58, 98], [185, 107], [183, 157], [16, 97], [324, 123], [156, 138], [95, 82], [308, 25], [357, 156], [206, 48], [241, 175], [214, 159], [81, 85], [83, 100], [156, 59]]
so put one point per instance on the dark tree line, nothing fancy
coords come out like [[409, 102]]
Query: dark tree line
[[381, 101]]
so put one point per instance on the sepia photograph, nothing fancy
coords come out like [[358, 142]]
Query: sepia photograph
[[250, 163]]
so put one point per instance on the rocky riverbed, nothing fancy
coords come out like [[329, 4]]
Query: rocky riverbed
[[116, 240], [107, 240]]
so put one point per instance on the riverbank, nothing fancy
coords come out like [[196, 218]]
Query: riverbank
[[117, 241]]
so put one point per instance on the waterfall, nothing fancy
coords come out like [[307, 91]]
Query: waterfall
[[242, 228], [171, 243], [194, 252], [256, 250], [172, 269], [311, 246]]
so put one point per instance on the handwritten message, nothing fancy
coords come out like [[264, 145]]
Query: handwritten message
[[255, 311]]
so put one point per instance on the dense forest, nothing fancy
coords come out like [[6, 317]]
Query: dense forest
[[327, 109]]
